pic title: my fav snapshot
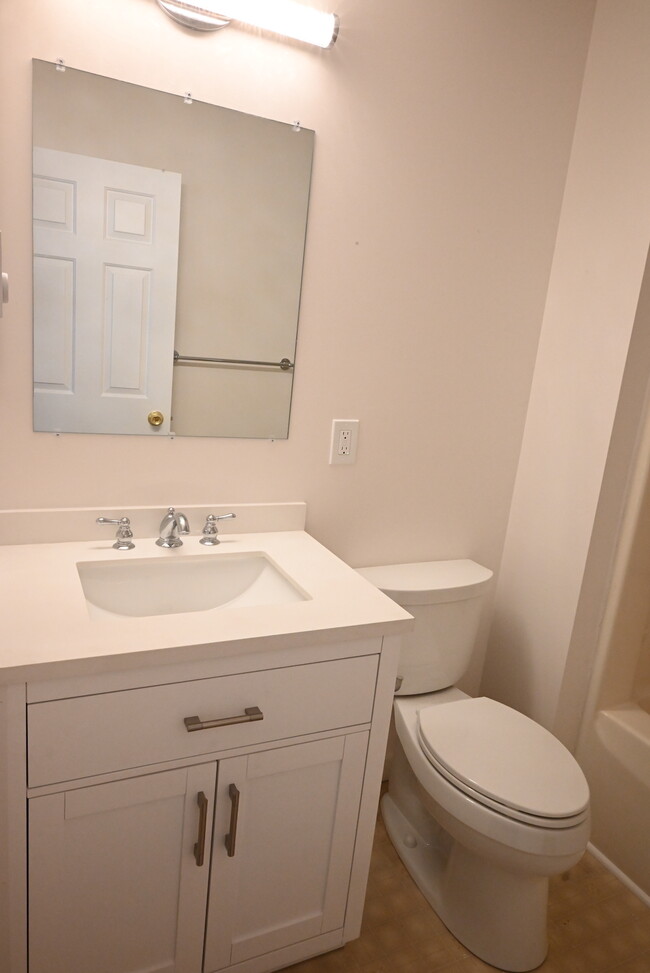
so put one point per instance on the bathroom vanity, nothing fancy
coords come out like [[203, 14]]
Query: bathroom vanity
[[194, 791]]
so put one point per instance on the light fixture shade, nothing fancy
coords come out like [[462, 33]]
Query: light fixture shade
[[285, 17]]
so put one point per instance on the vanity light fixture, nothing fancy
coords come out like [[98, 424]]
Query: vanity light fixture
[[285, 17]]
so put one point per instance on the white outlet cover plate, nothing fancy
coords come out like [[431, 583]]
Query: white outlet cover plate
[[339, 426]]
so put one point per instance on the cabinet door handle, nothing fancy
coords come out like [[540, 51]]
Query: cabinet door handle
[[199, 847], [251, 713], [231, 837]]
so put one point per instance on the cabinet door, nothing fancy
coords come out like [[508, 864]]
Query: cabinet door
[[286, 877], [114, 882]]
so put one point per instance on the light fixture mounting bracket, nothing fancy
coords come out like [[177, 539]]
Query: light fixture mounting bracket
[[197, 19]]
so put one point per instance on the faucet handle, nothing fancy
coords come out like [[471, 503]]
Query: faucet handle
[[123, 534], [210, 530]]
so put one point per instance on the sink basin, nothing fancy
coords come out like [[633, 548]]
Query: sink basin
[[192, 583]]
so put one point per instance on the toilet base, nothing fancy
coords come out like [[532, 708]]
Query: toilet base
[[498, 915]]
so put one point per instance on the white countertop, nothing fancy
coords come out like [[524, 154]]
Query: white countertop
[[47, 629]]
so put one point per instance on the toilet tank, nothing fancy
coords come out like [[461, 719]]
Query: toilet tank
[[445, 598]]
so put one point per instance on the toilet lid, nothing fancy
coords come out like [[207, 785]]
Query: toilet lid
[[503, 755]]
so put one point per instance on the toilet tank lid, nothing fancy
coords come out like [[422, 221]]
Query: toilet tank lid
[[428, 582]]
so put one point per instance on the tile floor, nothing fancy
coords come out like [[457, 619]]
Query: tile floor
[[596, 925]]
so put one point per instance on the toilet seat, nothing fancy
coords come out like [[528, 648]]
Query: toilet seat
[[505, 761]]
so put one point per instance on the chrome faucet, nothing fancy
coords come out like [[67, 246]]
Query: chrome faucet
[[172, 524], [124, 534], [210, 530]]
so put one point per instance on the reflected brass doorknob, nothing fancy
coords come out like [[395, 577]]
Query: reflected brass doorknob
[[155, 418]]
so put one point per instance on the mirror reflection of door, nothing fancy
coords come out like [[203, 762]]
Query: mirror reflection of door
[[245, 195], [105, 268]]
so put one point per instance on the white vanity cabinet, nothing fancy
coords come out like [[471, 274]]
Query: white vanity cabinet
[[113, 883], [287, 878], [156, 847]]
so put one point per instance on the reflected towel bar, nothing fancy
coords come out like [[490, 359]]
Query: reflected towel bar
[[284, 364]]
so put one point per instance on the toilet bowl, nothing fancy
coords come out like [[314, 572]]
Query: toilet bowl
[[483, 804]]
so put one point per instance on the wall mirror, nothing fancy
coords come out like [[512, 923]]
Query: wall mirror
[[166, 231]]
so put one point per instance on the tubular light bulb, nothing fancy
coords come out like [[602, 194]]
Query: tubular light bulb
[[280, 16], [284, 17]]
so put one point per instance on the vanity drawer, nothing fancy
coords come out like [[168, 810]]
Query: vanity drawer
[[89, 735]]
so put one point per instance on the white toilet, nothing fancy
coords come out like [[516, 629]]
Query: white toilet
[[483, 804]]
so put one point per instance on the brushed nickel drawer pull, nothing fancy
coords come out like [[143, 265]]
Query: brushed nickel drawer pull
[[251, 713], [231, 837], [199, 847]]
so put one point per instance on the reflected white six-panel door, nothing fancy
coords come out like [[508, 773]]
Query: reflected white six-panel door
[[105, 269]]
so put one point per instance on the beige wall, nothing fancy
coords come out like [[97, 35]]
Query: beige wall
[[593, 294], [443, 133], [620, 528]]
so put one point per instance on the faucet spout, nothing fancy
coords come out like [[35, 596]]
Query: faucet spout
[[173, 523]]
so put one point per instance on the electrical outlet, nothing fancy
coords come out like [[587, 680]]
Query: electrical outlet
[[343, 446]]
